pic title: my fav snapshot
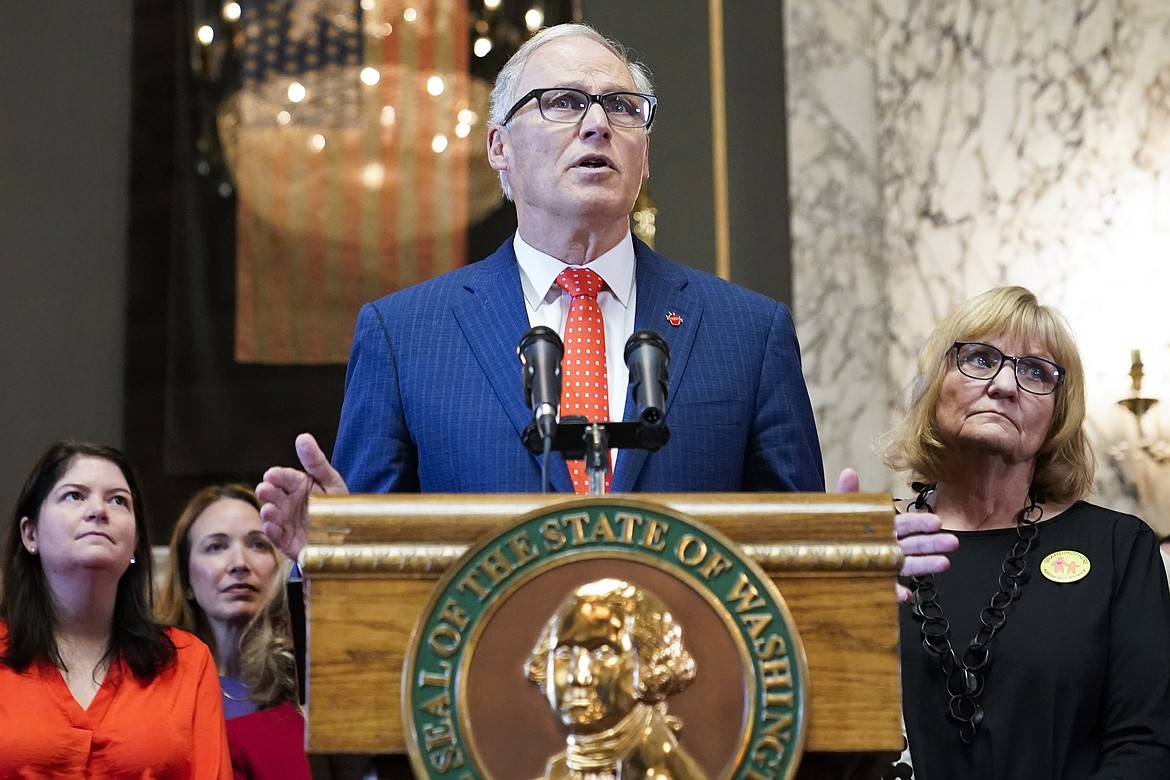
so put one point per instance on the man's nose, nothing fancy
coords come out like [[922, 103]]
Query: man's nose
[[595, 121]]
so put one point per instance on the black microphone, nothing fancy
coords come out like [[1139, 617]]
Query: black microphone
[[540, 352], [647, 357]]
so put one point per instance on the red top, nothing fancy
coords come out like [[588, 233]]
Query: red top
[[170, 729], [269, 744]]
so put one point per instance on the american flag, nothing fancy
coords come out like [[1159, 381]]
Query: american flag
[[358, 160]]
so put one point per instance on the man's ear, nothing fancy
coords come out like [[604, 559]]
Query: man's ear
[[497, 148], [646, 160]]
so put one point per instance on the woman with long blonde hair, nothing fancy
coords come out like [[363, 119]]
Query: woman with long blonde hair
[[225, 583]]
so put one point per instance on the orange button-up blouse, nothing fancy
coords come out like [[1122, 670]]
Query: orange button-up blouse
[[169, 729]]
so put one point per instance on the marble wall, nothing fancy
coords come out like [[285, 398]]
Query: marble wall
[[942, 148]]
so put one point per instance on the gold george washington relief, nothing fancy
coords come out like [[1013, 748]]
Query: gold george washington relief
[[608, 659]]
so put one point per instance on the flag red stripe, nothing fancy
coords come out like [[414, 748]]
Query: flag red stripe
[[352, 241], [245, 271], [388, 225], [311, 320], [276, 275], [428, 127]]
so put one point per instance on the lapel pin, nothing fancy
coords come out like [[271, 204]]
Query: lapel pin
[[1065, 566], [674, 318]]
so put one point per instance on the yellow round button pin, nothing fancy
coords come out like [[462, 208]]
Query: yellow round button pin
[[1065, 566]]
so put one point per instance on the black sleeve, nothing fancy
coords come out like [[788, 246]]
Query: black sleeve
[[1135, 739]]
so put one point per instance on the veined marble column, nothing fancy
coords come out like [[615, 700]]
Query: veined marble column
[[839, 276], [942, 148]]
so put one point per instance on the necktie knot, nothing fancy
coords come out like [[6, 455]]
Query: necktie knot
[[579, 282]]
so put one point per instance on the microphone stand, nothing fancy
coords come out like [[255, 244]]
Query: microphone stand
[[596, 457], [579, 439], [545, 460]]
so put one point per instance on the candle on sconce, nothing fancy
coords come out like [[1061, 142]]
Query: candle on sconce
[[1135, 372]]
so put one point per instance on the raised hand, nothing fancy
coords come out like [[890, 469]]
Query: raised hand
[[284, 495], [924, 544], [919, 534]]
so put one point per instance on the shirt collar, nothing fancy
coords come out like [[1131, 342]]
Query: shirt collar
[[538, 271]]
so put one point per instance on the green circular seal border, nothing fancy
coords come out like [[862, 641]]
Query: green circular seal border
[[469, 593]]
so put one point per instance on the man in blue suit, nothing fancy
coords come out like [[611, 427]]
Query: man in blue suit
[[434, 400]]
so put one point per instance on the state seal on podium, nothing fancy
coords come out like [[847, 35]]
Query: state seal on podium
[[605, 637]]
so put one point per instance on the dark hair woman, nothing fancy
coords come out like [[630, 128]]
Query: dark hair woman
[[90, 684]]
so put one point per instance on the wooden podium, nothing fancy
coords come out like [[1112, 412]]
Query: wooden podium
[[372, 563]]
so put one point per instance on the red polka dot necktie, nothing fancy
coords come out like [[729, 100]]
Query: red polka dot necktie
[[585, 384]]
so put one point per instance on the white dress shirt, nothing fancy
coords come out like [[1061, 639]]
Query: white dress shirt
[[1166, 560]]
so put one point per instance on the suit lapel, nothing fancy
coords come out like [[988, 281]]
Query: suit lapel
[[662, 292], [493, 317]]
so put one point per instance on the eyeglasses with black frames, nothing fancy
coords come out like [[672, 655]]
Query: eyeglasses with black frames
[[983, 361], [569, 106]]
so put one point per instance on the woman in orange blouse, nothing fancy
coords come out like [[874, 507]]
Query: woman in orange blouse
[[90, 685]]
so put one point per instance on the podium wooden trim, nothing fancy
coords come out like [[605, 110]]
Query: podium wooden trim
[[372, 562]]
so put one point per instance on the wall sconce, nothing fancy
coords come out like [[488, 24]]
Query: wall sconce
[[1157, 450]]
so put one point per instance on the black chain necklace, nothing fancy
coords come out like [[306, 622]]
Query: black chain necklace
[[965, 674]]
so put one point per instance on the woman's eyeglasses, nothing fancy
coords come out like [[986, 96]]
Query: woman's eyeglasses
[[983, 361]]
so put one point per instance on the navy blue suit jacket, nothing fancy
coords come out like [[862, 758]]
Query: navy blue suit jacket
[[434, 400]]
